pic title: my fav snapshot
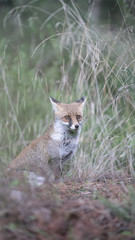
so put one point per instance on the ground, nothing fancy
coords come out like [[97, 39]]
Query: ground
[[71, 209]]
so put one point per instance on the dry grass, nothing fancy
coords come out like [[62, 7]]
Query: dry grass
[[82, 60]]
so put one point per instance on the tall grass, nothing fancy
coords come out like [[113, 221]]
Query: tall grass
[[70, 58]]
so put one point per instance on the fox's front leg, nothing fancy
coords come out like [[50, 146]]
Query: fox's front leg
[[56, 169]]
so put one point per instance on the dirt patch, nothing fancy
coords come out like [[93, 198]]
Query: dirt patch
[[67, 210]]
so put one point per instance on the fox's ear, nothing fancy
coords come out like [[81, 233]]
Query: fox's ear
[[55, 104], [81, 102]]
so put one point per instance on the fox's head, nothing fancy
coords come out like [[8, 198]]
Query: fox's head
[[69, 115]]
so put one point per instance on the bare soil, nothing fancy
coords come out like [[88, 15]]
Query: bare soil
[[72, 209]]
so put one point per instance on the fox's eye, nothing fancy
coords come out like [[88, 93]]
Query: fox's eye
[[79, 117], [67, 118]]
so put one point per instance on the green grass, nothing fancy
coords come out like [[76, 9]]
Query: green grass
[[66, 56]]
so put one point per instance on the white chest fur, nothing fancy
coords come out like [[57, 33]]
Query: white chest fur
[[58, 133], [65, 142]]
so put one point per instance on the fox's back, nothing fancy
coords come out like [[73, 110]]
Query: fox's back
[[31, 155]]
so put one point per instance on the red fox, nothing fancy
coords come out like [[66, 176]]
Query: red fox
[[46, 154]]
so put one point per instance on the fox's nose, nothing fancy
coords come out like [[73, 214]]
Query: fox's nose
[[76, 126]]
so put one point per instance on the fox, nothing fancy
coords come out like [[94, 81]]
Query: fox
[[44, 157]]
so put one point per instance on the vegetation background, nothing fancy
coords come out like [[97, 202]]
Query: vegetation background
[[67, 49]]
